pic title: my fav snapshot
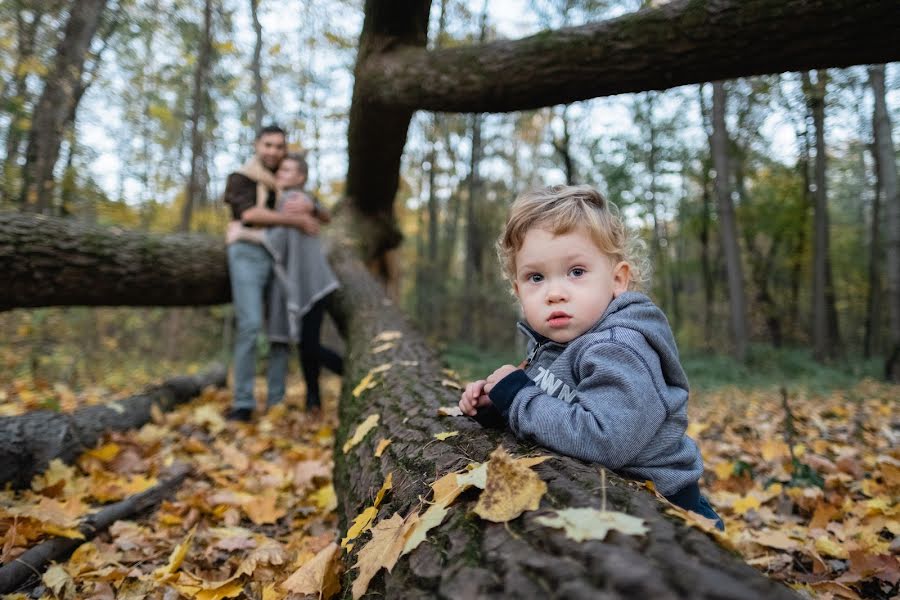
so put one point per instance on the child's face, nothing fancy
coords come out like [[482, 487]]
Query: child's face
[[565, 282], [289, 174]]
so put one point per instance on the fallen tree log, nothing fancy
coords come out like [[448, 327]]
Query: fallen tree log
[[29, 442], [466, 557], [50, 261], [19, 572]]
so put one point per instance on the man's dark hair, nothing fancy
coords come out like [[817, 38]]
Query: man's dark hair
[[270, 129], [300, 159]]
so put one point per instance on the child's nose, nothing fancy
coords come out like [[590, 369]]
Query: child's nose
[[555, 294]]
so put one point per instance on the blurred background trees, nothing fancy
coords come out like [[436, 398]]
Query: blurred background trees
[[768, 205]]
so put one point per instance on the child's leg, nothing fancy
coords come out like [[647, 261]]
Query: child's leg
[[691, 499], [310, 353]]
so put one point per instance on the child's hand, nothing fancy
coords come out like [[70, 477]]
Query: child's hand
[[473, 398], [495, 377]]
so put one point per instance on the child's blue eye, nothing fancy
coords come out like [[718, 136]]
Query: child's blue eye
[[577, 272], [535, 278]]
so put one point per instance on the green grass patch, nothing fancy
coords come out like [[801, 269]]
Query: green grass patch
[[767, 366]]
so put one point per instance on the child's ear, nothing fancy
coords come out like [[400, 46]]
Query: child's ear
[[621, 278]]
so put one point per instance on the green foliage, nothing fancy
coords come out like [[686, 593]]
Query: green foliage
[[772, 367]]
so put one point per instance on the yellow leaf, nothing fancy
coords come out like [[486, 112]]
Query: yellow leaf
[[366, 383], [382, 347], [70, 533], [177, 556], [511, 489], [447, 434], [772, 538], [270, 593], [475, 476], [361, 430], [746, 503], [774, 449], [591, 524], [262, 508], [382, 549], [419, 528], [825, 545], [319, 576], [450, 411], [382, 446], [724, 470], [58, 581], [387, 336], [105, 453], [228, 590], [325, 498], [388, 484], [362, 522], [451, 384]]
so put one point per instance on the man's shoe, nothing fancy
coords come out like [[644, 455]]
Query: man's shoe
[[240, 414]]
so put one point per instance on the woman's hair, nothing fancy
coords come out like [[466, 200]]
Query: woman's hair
[[300, 159], [561, 209]]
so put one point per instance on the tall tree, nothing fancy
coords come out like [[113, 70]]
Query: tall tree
[[197, 180], [59, 99], [396, 75], [824, 313], [473, 256], [887, 177], [728, 232], [256, 68]]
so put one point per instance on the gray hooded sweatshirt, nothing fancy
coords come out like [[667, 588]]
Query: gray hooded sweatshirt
[[615, 395]]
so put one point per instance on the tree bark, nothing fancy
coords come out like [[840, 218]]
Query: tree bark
[[728, 226], [197, 180], [57, 101], [887, 176], [377, 132], [256, 68], [469, 558], [824, 333], [50, 261], [680, 42], [16, 574], [29, 442]]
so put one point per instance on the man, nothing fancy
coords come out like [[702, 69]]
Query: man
[[251, 192]]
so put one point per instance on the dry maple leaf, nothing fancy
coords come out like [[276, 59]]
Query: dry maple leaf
[[511, 489], [382, 549], [319, 576]]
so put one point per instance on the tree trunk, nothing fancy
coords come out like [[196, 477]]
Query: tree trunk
[[377, 131], [29, 442], [50, 261], [256, 68], [887, 177], [680, 42], [677, 43], [466, 557], [563, 145], [196, 186], [728, 226], [824, 337], [473, 264], [58, 100]]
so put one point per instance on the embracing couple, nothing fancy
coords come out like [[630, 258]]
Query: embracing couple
[[277, 269]]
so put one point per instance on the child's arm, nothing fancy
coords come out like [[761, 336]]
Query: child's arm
[[614, 414]]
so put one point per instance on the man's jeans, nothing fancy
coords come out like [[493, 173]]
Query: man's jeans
[[250, 267]]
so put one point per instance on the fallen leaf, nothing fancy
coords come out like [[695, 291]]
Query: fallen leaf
[[387, 336], [382, 446], [177, 557], [362, 429], [320, 575], [377, 553], [59, 582], [591, 524], [382, 347], [451, 384], [450, 411], [431, 518], [362, 522], [446, 434], [511, 489], [388, 484]]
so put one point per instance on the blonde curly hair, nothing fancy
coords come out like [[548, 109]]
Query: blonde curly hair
[[561, 209]]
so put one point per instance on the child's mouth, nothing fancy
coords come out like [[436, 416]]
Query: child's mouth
[[559, 319]]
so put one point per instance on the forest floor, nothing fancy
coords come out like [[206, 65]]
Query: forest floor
[[807, 481]]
